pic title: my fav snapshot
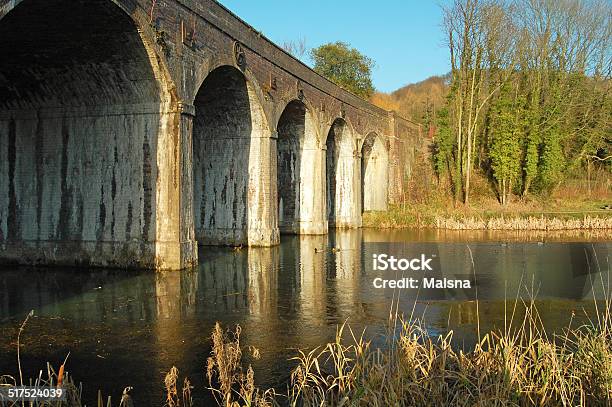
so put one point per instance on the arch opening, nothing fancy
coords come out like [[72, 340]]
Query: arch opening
[[374, 174], [230, 165], [80, 110], [341, 168], [291, 128], [298, 172]]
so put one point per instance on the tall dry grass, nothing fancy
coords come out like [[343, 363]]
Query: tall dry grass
[[519, 365], [230, 385], [419, 216], [47, 378], [517, 368]]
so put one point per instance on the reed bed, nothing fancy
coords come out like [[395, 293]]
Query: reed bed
[[485, 217], [525, 223], [518, 366], [523, 368]]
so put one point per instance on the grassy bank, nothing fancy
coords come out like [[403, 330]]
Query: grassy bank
[[487, 215], [519, 365], [576, 205]]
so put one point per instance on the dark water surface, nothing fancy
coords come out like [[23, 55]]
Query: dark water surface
[[127, 329]]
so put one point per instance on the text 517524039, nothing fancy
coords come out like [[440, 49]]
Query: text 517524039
[[31, 393]]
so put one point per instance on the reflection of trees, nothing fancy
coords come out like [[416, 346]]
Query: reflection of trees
[[485, 236]]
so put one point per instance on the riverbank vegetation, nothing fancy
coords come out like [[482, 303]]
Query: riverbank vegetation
[[419, 216], [526, 111], [571, 208], [519, 365]]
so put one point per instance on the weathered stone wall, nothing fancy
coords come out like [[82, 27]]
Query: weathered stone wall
[[404, 143], [343, 177], [374, 167], [232, 164], [300, 165], [79, 122], [221, 143], [291, 137]]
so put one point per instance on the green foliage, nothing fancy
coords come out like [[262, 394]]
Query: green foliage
[[444, 143], [445, 152], [552, 162], [345, 66], [531, 144], [504, 144]]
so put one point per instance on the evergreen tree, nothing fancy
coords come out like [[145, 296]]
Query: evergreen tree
[[504, 145]]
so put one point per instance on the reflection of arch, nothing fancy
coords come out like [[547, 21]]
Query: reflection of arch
[[83, 105], [374, 173], [341, 167], [298, 162], [230, 166]]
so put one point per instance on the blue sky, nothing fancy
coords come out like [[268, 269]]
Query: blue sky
[[403, 36]]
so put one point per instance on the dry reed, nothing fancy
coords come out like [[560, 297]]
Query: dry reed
[[230, 385], [524, 223], [518, 367], [49, 378]]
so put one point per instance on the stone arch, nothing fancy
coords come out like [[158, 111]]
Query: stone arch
[[350, 128], [374, 173], [299, 171], [234, 198], [282, 106], [255, 89], [342, 167], [84, 103]]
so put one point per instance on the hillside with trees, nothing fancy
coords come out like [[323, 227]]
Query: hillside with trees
[[417, 101]]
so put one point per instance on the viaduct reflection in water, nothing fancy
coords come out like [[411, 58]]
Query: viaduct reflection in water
[[129, 328]]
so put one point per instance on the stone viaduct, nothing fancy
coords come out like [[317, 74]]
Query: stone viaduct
[[133, 130]]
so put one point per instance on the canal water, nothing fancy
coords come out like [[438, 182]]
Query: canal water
[[128, 329]]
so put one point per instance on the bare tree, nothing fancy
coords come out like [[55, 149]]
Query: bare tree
[[296, 48], [481, 41], [529, 99], [566, 60]]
